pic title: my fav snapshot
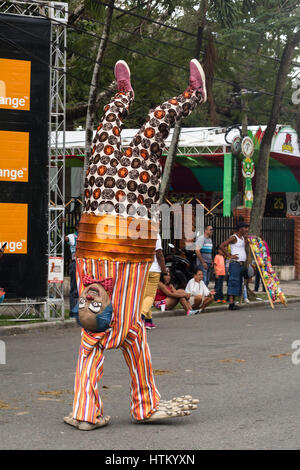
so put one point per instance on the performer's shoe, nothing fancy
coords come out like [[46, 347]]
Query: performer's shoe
[[175, 408], [102, 421], [85, 425], [197, 79], [122, 74]]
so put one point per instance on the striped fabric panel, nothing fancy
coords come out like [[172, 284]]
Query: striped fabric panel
[[129, 284], [144, 395], [87, 404], [127, 331]]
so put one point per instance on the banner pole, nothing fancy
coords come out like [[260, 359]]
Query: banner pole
[[262, 278]]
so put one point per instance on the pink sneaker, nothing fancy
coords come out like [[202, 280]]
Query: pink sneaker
[[122, 74], [197, 78], [149, 325]]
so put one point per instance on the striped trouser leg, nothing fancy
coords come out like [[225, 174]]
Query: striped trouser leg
[[144, 396], [87, 404]]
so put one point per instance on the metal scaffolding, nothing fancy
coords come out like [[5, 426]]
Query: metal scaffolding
[[58, 12]]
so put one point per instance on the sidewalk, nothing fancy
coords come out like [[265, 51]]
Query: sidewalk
[[291, 290]]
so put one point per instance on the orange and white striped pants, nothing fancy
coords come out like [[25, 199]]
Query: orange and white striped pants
[[127, 332]]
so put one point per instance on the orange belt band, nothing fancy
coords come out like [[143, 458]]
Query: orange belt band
[[116, 238]]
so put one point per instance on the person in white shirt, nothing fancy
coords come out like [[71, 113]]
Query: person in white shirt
[[156, 268], [201, 296], [238, 256]]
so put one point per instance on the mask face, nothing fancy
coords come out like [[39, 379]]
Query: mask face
[[93, 300]]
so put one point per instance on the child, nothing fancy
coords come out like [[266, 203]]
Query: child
[[2, 295], [219, 269]]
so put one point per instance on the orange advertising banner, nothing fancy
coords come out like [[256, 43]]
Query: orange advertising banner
[[14, 154], [13, 228], [15, 78]]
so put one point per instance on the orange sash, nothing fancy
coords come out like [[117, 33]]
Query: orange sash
[[116, 238]]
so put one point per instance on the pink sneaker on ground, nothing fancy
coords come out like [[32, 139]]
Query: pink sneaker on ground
[[197, 78], [122, 74], [149, 325]]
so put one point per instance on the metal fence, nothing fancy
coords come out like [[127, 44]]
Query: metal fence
[[278, 233]]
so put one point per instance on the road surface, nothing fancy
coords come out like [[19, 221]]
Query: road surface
[[239, 364]]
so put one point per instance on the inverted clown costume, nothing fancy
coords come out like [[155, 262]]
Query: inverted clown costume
[[115, 248]]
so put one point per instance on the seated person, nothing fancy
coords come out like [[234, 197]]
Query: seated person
[[201, 296], [168, 295]]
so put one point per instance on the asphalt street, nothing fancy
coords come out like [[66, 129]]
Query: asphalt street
[[239, 364]]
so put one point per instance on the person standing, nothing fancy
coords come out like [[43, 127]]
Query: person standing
[[238, 257], [71, 239], [219, 269], [204, 249], [158, 266], [120, 186]]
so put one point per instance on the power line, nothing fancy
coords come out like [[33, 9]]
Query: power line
[[189, 33], [165, 43], [79, 55], [96, 36], [127, 12], [79, 79]]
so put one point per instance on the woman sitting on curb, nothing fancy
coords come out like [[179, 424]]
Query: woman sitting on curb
[[200, 295], [167, 295]]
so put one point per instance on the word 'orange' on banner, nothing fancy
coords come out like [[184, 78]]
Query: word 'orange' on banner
[[13, 228], [15, 78], [14, 151]]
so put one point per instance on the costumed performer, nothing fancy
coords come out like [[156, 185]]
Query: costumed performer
[[112, 262]]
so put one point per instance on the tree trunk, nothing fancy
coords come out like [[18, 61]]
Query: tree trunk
[[298, 124], [262, 170], [76, 14], [170, 162], [209, 63], [79, 110], [91, 109], [201, 26]]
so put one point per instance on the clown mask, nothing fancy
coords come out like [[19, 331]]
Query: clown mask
[[94, 308]]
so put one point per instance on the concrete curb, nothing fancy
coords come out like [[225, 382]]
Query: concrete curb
[[19, 329], [221, 308], [61, 324]]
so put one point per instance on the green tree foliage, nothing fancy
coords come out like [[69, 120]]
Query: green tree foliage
[[248, 37]]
